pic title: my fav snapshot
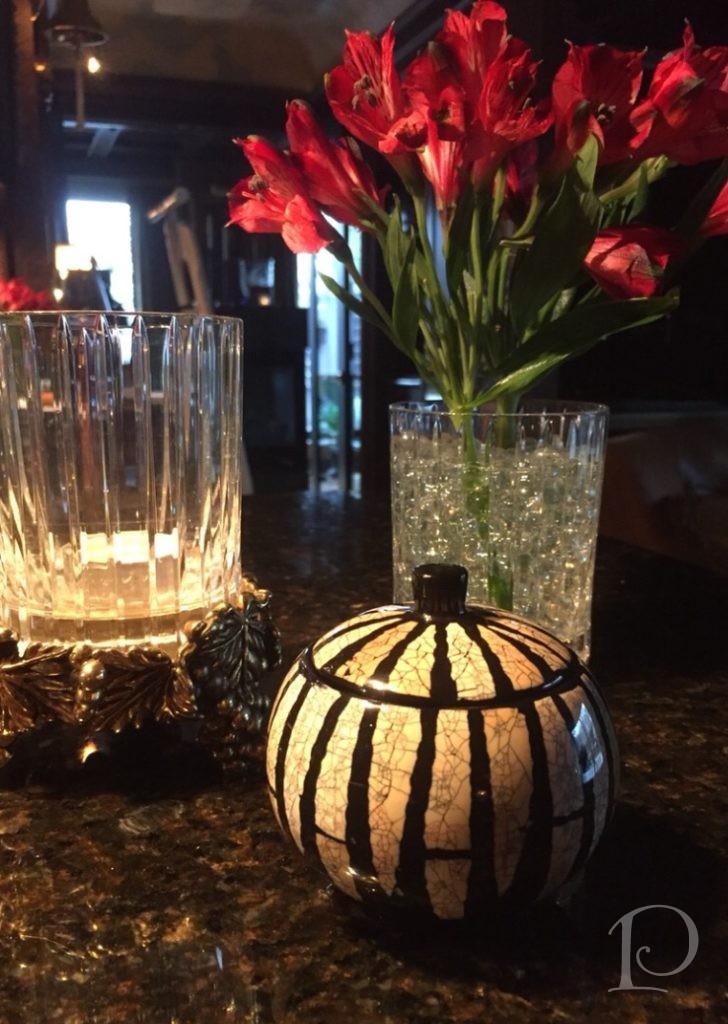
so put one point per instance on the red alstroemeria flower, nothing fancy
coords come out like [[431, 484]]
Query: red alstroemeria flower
[[594, 92], [365, 92], [441, 160], [274, 199], [473, 67], [431, 87], [436, 127], [506, 115], [17, 296], [336, 177], [629, 262], [474, 41], [716, 223], [685, 113], [440, 156]]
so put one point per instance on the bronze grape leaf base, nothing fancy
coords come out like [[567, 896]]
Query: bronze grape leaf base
[[215, 682]]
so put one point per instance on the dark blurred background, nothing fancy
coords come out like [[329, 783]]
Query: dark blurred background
[[89, 149]]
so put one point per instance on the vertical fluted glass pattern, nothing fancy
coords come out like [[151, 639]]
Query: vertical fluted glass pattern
[[120, 456]]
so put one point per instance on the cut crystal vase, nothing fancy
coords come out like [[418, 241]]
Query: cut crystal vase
[[514, 497], [121, 591]]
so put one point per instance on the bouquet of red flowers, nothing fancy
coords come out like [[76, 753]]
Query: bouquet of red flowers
[[542, 250], [16, 295]]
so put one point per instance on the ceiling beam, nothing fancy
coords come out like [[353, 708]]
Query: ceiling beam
[[103, 141], [131, 101]]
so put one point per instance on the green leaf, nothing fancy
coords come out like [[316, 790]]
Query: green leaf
[[405, 306], [570, 335], [643, 192], [359, 306], [563, 236], [395, 244], [471, 287], [585, 165], [458, 242]]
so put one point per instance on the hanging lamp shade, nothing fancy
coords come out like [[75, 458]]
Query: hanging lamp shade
[[74, 24]]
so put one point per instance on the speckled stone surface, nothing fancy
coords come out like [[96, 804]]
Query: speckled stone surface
[[145, 888]]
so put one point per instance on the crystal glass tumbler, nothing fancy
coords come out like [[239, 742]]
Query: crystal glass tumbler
[[514, 497], [120, 457]]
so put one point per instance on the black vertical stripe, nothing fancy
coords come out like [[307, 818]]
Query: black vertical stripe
[[543, 638], [410, 874], [527, 651], [365, 620], [388, 664], [587, 787], [282, 752], [283, 690], [501, 680], [482, 888], [347, 652], [588, 687], [358, 623], [358, 829], [443, 688], [533, 866], [310, 782]]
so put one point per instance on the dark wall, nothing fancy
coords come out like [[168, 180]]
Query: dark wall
[[27, 147]]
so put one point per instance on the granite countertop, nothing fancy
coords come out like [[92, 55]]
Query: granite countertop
[[146, 888]]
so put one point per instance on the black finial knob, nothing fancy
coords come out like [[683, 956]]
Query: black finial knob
[[440, 589]]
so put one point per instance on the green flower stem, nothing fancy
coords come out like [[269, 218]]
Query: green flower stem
[[499, 194], [497, 286], [476, 493], [433, 282], [491, 284], [439, 363], [505, 433], [378, 211], [534, 209], [348, 260], [504, 264], [456, 379], [492, 271], [506, 406], [656, 167], [476, 496], [476, 256]]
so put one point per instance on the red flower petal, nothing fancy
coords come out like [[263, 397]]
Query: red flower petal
[[593, 92], [274, 199], [629, 262], [685, 113], [335, 175], [364, 92], [716, 223]]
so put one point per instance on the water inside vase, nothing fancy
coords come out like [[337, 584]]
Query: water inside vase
[[539, 530]]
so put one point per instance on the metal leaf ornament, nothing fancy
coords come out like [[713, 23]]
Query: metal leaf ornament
[[116, 688], [33, 689], [217, 677], [226, 655], [17, 711]]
